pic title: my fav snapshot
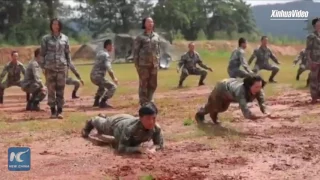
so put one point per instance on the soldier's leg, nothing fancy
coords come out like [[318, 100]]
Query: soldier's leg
[[308, 79], [152, 84], [242, 74], [183, 76], [274, 71], [203, 75], [206, 109], [76, 84], [314, 83], [3, 86], [37, 96], [99, 92], [101, 124], [224, 105], [109, 90], [144, 76], [256, 69], [60, 86], [51, 82], [299, 72]]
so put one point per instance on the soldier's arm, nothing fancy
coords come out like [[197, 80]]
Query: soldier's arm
[[181, 62], [74, 70], [23, 70], [136, 50], [37, 75], [43, 51], [261, 102], [201, 63], [273, 57], [158, 139], [124, 143], [67, 52], [309, 44], [252, 57], [298, 58], [3, 73], [108, 65], [243, 62], [243, 106]]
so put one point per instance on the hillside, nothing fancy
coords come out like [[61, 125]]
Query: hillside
[[281, 28]]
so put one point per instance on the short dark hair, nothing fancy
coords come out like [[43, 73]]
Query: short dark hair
[[59, 22], [263, 37], [36, 52], [148, 109], [13, 52], [241, 41], [143, 23], [250, 80], [107, 42], [314, 21]]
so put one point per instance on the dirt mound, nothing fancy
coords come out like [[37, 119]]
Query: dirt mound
[[221, 45]]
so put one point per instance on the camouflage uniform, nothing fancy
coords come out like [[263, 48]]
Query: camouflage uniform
[[127, 130], [313, 50], [263, 54], [32, 84], [56, 54], [146, 56], [14, 71], [237, 59], [71, 81], [188, 65], [303, 66], [227, 91], [101, 66]]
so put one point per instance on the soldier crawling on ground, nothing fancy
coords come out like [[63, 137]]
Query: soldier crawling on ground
[[233, 90], [74, 82], [14, 69], [106, 88], [125, 132], [32, 83], [263, 53], [237, 59], [188, 65], [303, 66]]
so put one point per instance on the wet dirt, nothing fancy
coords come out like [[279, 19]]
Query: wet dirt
[[283, 146]]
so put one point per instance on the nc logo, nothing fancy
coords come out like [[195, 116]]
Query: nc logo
[[19, 159]]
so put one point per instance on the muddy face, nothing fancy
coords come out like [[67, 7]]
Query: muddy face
[[256, 87], [148, 121]]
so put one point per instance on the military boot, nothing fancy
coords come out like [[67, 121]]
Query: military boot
[[87, 129], [199, 117], [74, 94], [297, 77], [29, 106], [96, 101], [53, 113], [59, 113], [104, 104], [180, 84], [201, 83]]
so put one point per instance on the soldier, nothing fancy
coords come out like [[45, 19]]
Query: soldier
[[127, 132], [313, 56], [102, 65], [188, 65], [237, 58], [32, 83], [71, 81], [146, 57], [233, 90], [14, 69], [303, 66], [263, 53], [55, 52]]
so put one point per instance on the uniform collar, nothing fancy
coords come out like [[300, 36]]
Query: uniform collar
[[145, 33], [59, 36]]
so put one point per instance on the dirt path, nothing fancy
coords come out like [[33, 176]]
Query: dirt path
[[285, 146]]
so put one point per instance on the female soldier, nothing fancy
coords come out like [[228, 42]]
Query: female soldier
[[55, 51], [233, 90], [146, 58], [313, 55]]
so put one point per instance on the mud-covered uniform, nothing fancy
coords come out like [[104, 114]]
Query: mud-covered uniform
[[237, 59], [227, 91], [127, 131]]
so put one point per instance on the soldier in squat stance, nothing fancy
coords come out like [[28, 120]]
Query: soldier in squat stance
[[102, 65], [127, 132], [188, 65], [233, 90], [14, 69], [74, 82], [303, 66], [32, 83]]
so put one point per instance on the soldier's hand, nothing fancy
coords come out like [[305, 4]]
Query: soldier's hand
[[43, 89], [115, 80], [210, 69], [82, 82]]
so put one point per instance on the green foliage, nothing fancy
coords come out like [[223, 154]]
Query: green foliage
[[201, 35], [188, 122]]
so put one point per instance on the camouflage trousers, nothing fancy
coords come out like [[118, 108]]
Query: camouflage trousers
[[237, 73], [148, 81], [105, 87], [268, 67], [197, 71], [35, 90], [315, 82], [219, 101], [301, 69], [56, 82], [6, 84], [74, 82], [102, 125]]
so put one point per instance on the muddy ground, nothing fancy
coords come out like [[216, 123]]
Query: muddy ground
[[285, 146]]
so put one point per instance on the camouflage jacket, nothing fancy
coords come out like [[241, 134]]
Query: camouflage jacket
[[301, 57], [73, 70], [262, 54], [101, 65], [237, 59], [13, 70], [55, 52], [33, 74], [129, 133], [313, 47], [189, 60], [237, 93], [147, 50]]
